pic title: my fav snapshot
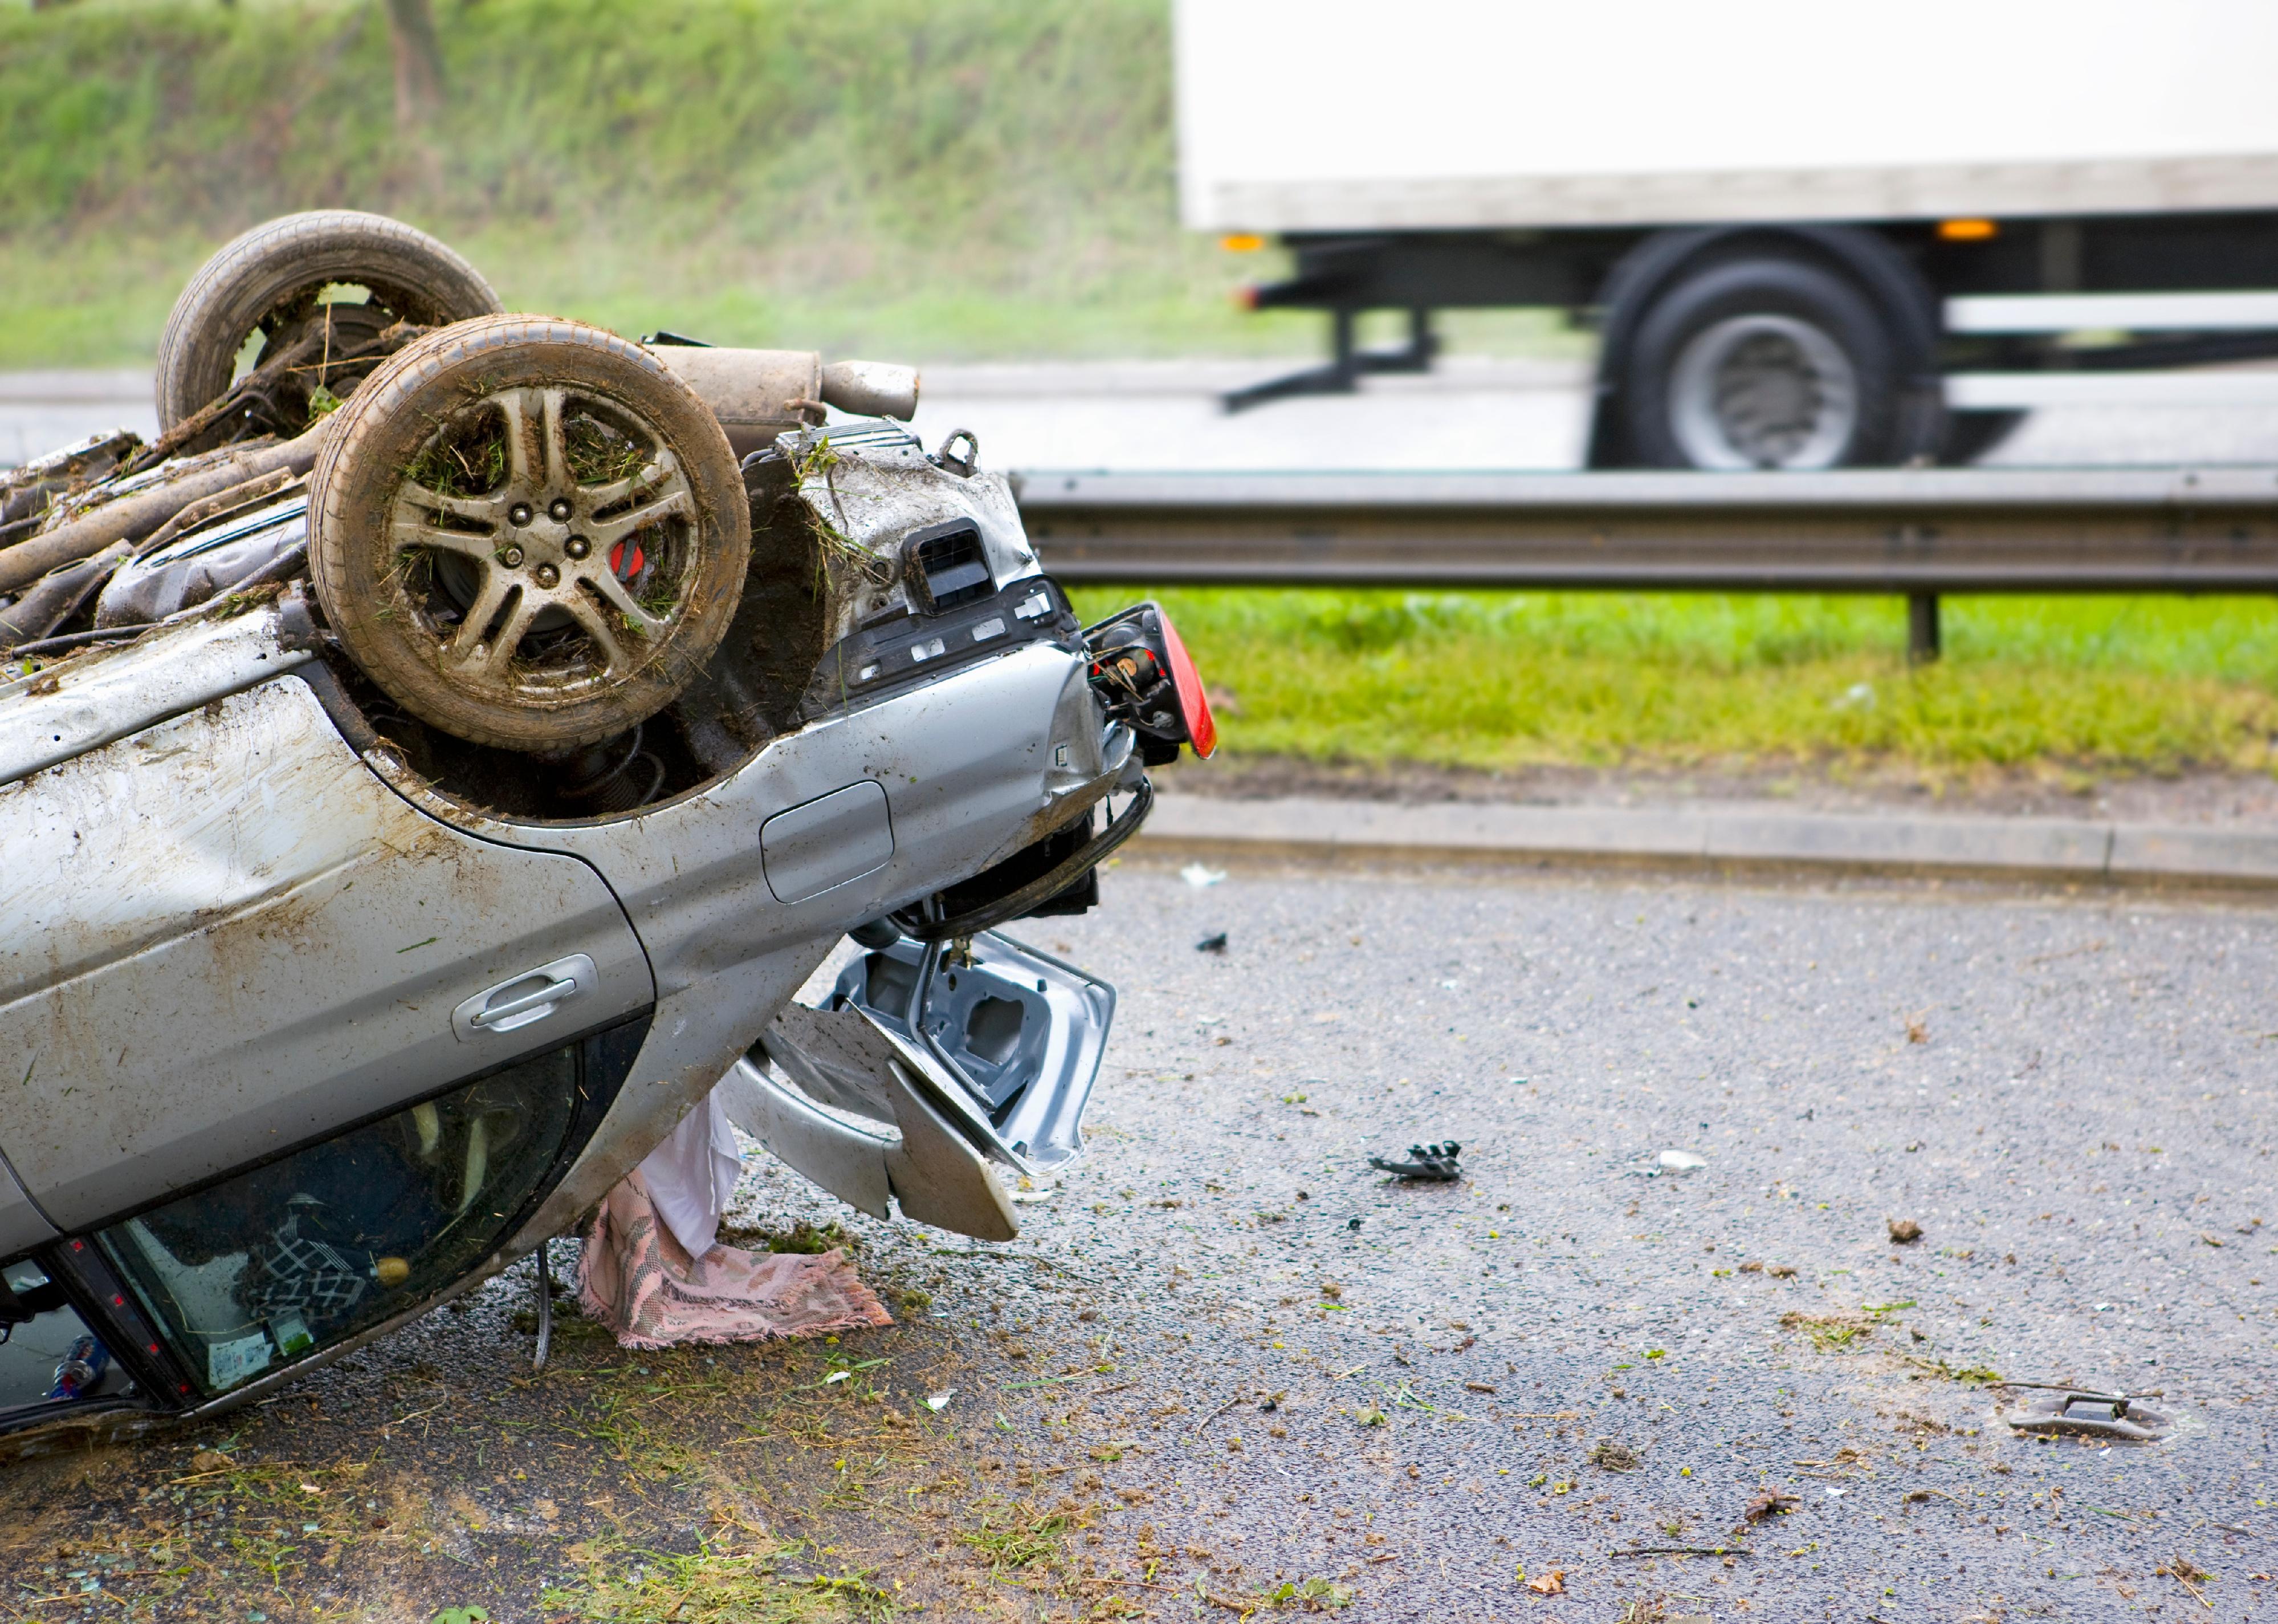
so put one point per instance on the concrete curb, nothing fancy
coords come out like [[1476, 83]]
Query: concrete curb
[[1719, 838]]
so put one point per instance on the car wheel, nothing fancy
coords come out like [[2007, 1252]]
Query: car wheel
[[1763, 363], [280, 275], [528, 533]]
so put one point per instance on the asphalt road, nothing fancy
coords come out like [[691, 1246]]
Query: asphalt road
[[1470, 412], [1226, 1356], [2071, 1096]]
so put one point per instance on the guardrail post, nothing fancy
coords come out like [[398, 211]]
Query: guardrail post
[[1921, 628]]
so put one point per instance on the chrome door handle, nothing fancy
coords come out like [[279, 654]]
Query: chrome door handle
[[527, 999]]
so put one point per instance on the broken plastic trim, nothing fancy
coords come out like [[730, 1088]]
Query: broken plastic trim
[[2081, 1412], [1006, 1040]]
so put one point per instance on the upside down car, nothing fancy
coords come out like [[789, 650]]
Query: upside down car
[[433, 767]]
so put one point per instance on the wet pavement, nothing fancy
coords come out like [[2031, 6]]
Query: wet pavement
[[2072, 1096], [1226, 1363]]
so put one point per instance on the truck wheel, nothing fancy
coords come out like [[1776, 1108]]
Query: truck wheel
[[528, 533], [1972, 435], [272, 279], [1764, 363]]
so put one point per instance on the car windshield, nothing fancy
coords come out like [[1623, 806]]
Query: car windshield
[[266, 1267]]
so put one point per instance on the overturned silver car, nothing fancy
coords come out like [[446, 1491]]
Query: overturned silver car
[[404, 832]]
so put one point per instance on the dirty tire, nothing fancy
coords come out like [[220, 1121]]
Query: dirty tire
[[267, 278], [528, 533]]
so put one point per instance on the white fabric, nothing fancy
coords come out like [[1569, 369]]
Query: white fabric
[[692, 1175]]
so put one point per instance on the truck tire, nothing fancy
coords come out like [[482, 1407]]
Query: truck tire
[[528, 533], [1766, 362], [269, 281], [1972, 435]]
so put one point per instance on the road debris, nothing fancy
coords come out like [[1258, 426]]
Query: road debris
[[1904, 1231], [1609, 1456], [1212, 943], [1767, 1503], [636, 1279], [1552, 1583], [1199, 877], [2187, 1574], [2073, 1413], [938, 1402], [1681, 1161], [1426, 1163]]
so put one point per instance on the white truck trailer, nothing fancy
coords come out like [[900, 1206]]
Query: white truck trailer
[[1809, 235]]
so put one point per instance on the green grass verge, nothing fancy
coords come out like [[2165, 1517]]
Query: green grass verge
[[1507, 680]]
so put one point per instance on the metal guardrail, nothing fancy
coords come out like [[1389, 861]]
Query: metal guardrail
[[1918, 532]]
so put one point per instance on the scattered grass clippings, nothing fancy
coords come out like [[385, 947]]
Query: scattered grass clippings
[[1015, 1535], [802, 1237], [770, 1586], [779, 1484], [1831, 1333], [1968, 1375]]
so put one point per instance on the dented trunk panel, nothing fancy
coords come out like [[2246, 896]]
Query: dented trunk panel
[[222, 937]]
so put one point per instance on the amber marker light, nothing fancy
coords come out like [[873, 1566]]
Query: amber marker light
[[1967, 231], [1241, 242]]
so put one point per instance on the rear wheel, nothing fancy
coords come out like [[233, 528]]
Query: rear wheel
[[528, 533], [349, 273], [1765, 362]]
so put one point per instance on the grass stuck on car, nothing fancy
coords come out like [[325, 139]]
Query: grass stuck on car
[[429, 769]]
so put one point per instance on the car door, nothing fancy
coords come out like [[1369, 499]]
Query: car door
[[222, 938]]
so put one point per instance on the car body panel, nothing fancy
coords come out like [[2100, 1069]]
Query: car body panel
[[222, 937], [966, 766], [21, 1225], [971, 767]]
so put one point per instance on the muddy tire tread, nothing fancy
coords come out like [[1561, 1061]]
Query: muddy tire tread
[[232, 290], [394, 389]]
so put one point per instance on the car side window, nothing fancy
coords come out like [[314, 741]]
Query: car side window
[[268, 1266], [47, 1355]]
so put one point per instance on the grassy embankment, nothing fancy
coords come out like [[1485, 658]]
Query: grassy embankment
[[940, 178], [955, 179], [2063, 688]]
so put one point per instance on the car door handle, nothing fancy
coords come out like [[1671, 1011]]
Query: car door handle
[[499, 1016], [525, 1001]]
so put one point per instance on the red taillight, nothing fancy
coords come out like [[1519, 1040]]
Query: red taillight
[[1194, 704]]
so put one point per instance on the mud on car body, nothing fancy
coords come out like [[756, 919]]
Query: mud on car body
[[361, 930]]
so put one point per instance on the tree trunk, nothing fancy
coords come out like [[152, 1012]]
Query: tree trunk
[[418, 61]]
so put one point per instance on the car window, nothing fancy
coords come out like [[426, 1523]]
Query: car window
[[263, 1269], [47, 1355]]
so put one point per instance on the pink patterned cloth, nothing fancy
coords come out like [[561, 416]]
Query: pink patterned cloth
[[635, 1278]]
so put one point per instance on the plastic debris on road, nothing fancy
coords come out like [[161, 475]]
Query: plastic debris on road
[[1196, 875], [2068, 1412], [1428, 1163]]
